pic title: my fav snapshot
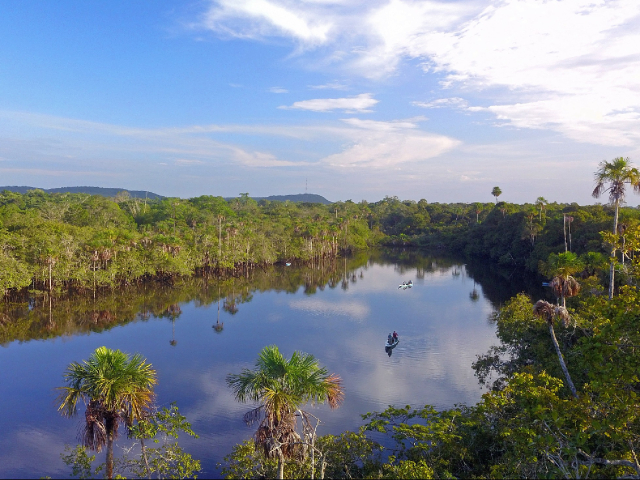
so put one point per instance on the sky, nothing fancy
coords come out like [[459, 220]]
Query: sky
[[350, 99]]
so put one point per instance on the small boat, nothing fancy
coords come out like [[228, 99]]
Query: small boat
[[392, 345], [406, 285], [288, 264]]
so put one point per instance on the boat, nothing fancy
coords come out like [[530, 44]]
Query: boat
[[392, 345], [406, 285]]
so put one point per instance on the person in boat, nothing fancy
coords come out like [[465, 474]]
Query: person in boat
[[395, 336], [390, 339]]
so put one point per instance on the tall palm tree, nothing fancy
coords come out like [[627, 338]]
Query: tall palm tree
[[282, 387], [616, 174], [115, 387], [549, 312], [541, 203], [496, 192], [477, 207]]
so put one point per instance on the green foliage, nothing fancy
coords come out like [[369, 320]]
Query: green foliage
[[80, 461], [120, 383], [166, 460], [78, 241], [245, 461]]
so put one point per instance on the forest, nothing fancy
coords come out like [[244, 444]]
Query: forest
[[563, 382], [78, 242]]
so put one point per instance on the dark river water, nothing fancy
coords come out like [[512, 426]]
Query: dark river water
[[339, 312]]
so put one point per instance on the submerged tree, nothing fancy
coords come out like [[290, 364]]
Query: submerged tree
[[616, 174], [282, 387], [549, 312], [115, 387]]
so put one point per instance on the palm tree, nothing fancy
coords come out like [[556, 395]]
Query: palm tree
[[496, 192], [282, 387], [549, 312], [541, 203], [477, 207], [115, 387], [561, 267], [615, 173]]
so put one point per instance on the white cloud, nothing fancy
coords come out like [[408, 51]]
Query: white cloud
[[278, 90], [190, 146], [186, 162], [359, 103], [571, 66], [383, 126], [329, 86], [454, 102], [388, 145], [264, 18]]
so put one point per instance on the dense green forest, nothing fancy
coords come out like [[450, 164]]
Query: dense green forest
[[563, 382], [80, 242]]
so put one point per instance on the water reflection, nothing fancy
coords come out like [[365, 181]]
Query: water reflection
[[298, 308], [42, 317]]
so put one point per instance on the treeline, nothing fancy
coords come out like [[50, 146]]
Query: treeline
[[79, 242], [506, 233]]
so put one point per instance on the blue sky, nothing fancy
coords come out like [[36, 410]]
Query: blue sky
[[357, 98]]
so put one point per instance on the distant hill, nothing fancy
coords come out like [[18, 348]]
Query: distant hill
[[105, 192], [112, 192], [300, 197]]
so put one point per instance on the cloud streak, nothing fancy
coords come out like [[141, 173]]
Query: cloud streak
[[359, 103]]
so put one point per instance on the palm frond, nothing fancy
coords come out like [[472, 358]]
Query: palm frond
[[548, 312], [598, 190], [335, 392], [545, 310], [571, 287], [253, 416], [115, 387]]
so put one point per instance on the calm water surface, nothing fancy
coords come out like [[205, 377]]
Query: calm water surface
[[341, 314]]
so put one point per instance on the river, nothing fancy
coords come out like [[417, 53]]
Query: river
[[198, 331]]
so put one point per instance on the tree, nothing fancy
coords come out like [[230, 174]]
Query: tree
[[282, 387], [541, 203], [115, 387], [561, 267], [549, 312], [164, 460], [477, 208], [496, 192], [616, 174]]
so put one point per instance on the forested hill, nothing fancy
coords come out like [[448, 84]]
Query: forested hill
[[300, 197], [105, 192], [112, 192]]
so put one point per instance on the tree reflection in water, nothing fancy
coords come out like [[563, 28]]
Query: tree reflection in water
[[30, 317]]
